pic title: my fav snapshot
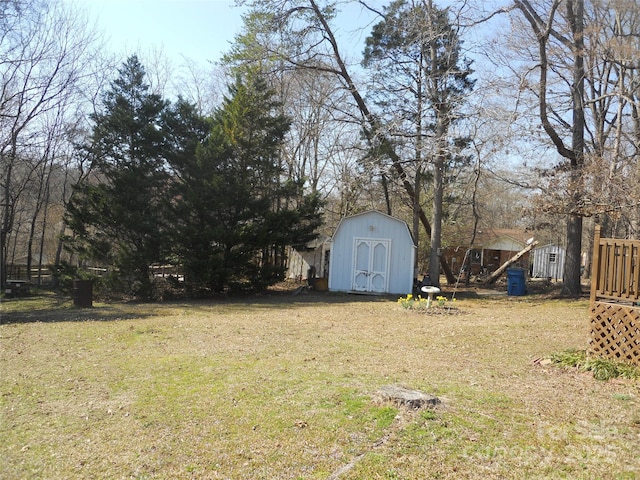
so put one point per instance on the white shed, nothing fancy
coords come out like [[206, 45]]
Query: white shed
[[372, 252], [548, 262], [313, 257]]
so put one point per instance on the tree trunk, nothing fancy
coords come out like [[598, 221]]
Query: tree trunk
[[8, 213], [416, 221], [45, 216], [573, 260], [436, 224], [589, 249], [39, 202], [385, 189], [572, 274]]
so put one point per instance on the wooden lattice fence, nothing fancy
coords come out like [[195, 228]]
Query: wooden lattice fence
[[614, 301]]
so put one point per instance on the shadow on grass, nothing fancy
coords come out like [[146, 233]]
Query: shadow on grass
[[58, 309], [51, 308], [281, 300]]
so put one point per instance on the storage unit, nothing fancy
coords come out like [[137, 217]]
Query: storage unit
[[372, 252], [313, 258], [548, 262]]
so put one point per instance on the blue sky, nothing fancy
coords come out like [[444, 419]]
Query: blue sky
[[202, 30], [199, 29]]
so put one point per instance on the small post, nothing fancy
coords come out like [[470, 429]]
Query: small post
[[595, 267]]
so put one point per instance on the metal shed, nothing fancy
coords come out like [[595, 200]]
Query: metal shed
[[372, 252], [548, 262]]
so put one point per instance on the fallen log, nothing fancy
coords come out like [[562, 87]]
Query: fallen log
[[495, 275]]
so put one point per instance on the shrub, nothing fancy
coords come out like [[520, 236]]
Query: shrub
[[602, 369]]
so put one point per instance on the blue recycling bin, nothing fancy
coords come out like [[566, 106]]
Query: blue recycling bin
[[516, 284]]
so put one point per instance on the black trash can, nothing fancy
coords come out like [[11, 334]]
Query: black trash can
[[83, 293], [516, 284]]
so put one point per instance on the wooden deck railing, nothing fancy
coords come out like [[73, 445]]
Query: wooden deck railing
[[614, 312], [616, 270]]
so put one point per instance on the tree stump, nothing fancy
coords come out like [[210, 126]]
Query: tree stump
[[405, 397]]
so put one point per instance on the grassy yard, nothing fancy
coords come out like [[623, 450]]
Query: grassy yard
[[283, 387]]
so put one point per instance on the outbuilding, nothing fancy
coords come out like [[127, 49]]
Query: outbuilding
[[548, 262], [372, 252], [313, 260]]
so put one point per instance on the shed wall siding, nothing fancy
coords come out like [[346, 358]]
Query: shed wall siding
[[299, 263]]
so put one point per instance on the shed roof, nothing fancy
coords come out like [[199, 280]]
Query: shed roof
[[374, 212], [316, 243]]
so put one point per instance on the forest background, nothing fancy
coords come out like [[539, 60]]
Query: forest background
[[456, 117]]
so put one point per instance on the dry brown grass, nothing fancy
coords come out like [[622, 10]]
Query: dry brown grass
[[281, 387]]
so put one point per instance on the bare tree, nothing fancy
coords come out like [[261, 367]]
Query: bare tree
[[323, 142], [585, 95], [612, 51], [306, 40], [570, 141], [200, 85], [44, 55], [421, 81]]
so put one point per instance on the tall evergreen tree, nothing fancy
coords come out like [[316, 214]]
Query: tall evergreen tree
[[234, 210], [118, 213]]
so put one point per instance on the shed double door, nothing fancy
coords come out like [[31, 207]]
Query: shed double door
[[371, 265]]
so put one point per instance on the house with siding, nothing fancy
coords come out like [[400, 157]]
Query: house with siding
[[491, 249]]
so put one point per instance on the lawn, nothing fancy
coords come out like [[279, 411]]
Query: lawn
[[284, 387]]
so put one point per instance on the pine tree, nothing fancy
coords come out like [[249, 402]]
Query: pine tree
[[236, 214], [118, 214]]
